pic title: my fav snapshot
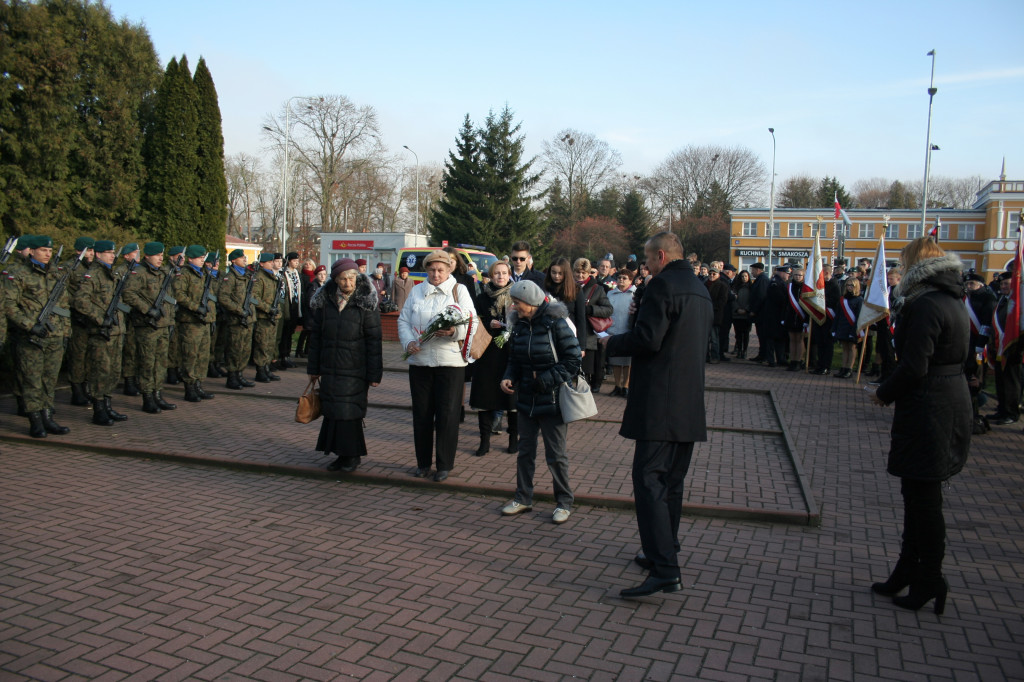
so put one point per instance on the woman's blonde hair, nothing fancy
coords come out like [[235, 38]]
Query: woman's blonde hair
[[918, 250], [580, 265], [856, 285], [498, 264]]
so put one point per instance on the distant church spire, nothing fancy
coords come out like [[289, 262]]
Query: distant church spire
[[1002, 173]]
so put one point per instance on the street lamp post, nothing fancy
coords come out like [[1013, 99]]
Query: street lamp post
[[287, 174], [928, 149], [771, 207], [416, 222]]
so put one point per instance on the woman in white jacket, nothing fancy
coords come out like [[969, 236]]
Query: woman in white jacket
[[437, 367]]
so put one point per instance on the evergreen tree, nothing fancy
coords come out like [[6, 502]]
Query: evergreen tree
[[458, 215], [171, 197], [829, 189], [212, 197], [606, 203], [634, 217]]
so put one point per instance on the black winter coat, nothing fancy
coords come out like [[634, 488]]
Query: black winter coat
[[759, 296], [718, 290], [599, 306], [668, 344], [931, 426], [792, 319], [345, 348], [532, 367], [486, 393]]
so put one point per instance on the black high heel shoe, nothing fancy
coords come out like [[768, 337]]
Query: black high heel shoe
[[923, 592], [902, 575]]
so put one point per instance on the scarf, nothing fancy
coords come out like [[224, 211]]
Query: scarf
[[501, 300]]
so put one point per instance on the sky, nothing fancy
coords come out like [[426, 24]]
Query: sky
[[844, 85]]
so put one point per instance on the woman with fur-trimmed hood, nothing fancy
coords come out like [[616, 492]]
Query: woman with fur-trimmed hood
[[345, 354], [931, 425]]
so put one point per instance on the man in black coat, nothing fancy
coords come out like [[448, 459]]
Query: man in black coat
[[718, 290], [758, 297], [521, 269], [821, 334], [667, 345]]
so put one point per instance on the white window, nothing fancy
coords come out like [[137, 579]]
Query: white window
[[777, 232], [966, 231], [913, 230], [749, 229], [796, 229], [892, 231], [1013, 224], [943, 232], [867, 231]]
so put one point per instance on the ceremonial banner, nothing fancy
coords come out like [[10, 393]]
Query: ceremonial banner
[[812, 293], [876, 297], [1011, 332]]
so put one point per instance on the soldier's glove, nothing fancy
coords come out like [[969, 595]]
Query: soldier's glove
[[155, 313], [202, 310], [39, 330]]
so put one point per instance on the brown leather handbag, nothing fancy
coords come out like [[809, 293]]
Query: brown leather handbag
[[308, 408]]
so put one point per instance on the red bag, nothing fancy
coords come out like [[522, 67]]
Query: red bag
[[598, 324]]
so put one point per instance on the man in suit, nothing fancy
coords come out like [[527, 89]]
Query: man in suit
[[758, 297], [667, 345], [521, 269]]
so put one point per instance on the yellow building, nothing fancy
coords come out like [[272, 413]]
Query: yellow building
[[984, 236]]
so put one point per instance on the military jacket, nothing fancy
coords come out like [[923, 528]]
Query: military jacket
[[231, 295], [31, 289], [140, 293], [188, 291], [211, 315], [263, 292], [93, 297]]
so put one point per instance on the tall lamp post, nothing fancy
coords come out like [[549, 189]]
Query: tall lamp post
[[771, 207], [287, 173], [928, 149], [416, 223]]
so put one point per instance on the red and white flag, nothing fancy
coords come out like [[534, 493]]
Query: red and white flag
[[812, 293], [876, 296]]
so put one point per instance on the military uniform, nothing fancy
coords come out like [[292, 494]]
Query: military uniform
[[239, 323], [38, 350], [265, 339], [151, 332], [129, 368], [78, 345], [193, 330], [105, 341], [218, 331], [10, 294]]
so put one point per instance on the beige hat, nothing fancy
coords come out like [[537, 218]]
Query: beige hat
[[438, 255]]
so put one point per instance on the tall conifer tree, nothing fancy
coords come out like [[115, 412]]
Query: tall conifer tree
[[212, 196], [634, 217]]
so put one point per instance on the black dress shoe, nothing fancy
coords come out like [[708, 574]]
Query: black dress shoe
[[422, 473], [344, 464], [650, 586], [643, 562], [440, 476]]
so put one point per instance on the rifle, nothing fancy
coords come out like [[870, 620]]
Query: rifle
[[55, 261], [275, 308], [43, 326], [249, 303], [204, 301], [110, 316], [157, 311], [8, 249]]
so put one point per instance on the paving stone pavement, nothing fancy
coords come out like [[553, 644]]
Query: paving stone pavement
[[132, 568]]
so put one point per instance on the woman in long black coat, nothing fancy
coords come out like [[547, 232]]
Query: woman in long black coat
[[345, 354], [592, 300], [931, 426], [492, 306]]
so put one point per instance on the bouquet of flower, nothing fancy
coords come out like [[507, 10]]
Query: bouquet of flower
[[448, 318], [501, 339]]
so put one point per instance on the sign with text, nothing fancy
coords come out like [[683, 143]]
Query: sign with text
[[352, 244], [780, 253]]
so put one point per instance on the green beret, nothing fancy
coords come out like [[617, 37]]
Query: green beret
[[130, 247], [24, 242], [175, 250], [266, 257], [237, 253], [103, 245], [40, 241], [83, 243], [194, 251], [153, 248], [212, 257]]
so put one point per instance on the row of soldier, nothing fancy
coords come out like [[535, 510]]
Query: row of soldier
[[131, 315]]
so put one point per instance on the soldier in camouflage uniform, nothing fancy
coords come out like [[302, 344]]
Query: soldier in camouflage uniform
[[218, 331], [176, 257], [79, 343], [151, 323], [129, 369], [265, 340], [38, 348], [19, 257], [193, 327], [238, 318], [106, 337]]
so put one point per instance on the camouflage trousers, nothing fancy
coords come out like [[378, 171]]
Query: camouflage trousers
[[37, 369], [129, 367], [174, 346], [103, 364], [151, 357], [218, 341], [194, 349], [239, 347], [78, 349], [264, 342]]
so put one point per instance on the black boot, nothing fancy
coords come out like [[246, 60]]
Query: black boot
[[35, 425], [149, 404], [211, 371], [131, 386], [221, 371], [21, 406], [245, 382], [79, 396], [270, 373], [233, 381], [922, 591], [52, 426], [161, 403], [902, 576], [513, 432], [261, 375], [116, 416], [203, 394], [190, 393], [172, 376], [485, 421], [99, 414]]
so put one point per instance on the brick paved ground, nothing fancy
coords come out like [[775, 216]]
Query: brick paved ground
[[116, 568]]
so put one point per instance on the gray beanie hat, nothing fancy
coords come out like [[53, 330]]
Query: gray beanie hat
[[528, 292]]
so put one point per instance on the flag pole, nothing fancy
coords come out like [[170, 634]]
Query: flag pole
[[863, 346]]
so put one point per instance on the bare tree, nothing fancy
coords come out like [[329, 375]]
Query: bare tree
[[582, 162], [872, 193], [954, 192], [687, 176], [797, 192], [242, 172]]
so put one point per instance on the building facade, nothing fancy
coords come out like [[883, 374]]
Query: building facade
[[984, 236]]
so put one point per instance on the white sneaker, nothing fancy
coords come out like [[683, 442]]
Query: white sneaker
[[514, 507], [560, 515]]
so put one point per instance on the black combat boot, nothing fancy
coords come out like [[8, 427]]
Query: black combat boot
[[116, 416], [100, 417], [245, 382], [173, 378], [220, 370], [21, 406], [211, 371], [149, 404], [270, 373], [161, 403], [486, 421], [35, 425], [513, 431], [261, 375], [79, 396], [233, 381], [203, 394], [52, 426], [190, 393], [131, 386]]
